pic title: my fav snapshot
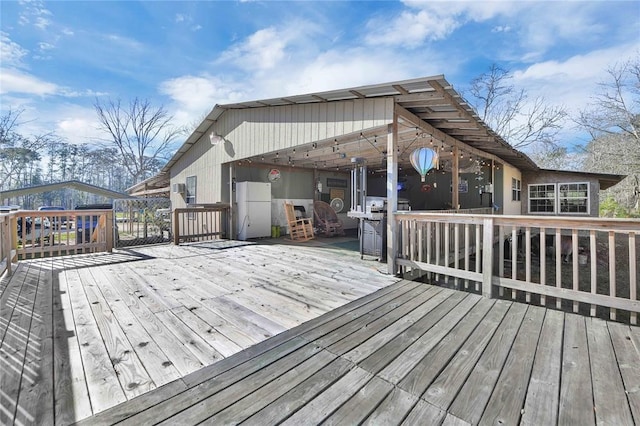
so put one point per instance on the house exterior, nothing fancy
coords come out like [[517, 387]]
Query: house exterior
[[306, 147]]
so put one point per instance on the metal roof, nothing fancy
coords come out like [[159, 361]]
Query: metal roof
[[70, 184]]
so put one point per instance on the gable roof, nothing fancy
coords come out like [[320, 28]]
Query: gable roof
[[70, 184], [431, 99]]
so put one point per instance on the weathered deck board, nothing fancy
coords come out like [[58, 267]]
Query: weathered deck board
[[541, 406], [472, 398], [627, 349], [409, 353], [72, 395], [102, 379], [445, 387], [576, 391], [36, 388], [608, 390], [508, 396], [17, 315]]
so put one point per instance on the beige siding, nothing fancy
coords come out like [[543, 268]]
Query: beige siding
[[251, 132], [511, 207]]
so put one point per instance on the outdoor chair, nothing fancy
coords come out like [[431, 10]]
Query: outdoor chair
[[327, 220], [300, 229]]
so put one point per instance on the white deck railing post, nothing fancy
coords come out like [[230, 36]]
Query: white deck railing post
[[487, 257]]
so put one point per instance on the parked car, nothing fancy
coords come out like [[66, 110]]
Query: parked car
[[57, 221], [85, 224], [41, 222]]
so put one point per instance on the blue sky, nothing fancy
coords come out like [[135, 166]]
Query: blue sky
[[57, 57]]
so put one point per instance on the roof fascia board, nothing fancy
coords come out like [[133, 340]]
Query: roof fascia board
[[439, 134]]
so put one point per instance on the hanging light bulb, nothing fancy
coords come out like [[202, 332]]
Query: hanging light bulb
[[423, 160]]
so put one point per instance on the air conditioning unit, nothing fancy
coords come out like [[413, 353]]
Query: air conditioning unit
[[179, 188]]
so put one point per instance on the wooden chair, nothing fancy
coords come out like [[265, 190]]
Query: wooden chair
[[299, 229]]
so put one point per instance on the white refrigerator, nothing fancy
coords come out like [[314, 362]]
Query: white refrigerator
[[254, 209]]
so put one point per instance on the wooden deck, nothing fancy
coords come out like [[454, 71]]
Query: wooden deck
[[405, 353], [80, 334], [414, 354]]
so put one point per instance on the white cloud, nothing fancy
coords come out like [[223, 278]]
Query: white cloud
[[180, 17], [194, 96], [35, 12], [45, 46], [574, 81], [14, 81], [268, 48], [11, 53], [262, 50], [429, 21], [121, 42], [42, 23], [79, 127]]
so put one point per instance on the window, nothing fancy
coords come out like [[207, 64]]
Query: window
[[190, 196], [542, 198], [515, 189], [561, 198], [574, 197]]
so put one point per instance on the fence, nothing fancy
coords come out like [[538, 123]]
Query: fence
[[142, 221], [586, 265], [205, 222]]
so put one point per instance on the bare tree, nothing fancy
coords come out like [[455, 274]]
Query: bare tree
[[18, 153], [142, 134], [522, 122], [613, 120]]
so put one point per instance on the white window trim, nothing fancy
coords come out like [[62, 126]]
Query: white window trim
[[588, 198], [557, 198], [518, 189], [195, 190]]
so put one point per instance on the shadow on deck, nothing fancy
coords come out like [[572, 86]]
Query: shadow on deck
[[416, 354]]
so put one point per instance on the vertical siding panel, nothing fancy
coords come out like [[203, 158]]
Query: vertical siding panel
[[277, 130], [349, 114], [367, 114], [322, 120], [315, 123], [306, 125], [335, 120]]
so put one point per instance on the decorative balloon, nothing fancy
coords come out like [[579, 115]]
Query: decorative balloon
[[423, 160]]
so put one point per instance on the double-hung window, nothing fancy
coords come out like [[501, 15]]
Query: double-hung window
[[516, 189], [542, 198], [560, 198], [190, 195], [573, 197]]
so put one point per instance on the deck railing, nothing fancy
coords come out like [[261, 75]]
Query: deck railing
[[26, 234], [201, 223], [7, 231], [586, 265]]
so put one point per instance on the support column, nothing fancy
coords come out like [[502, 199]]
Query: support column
[[231, 234], [455, 179], [392, 195]]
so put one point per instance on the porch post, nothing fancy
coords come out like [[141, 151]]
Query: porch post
[[455, 179], [392, 195], [231, 231], [487, 257]]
